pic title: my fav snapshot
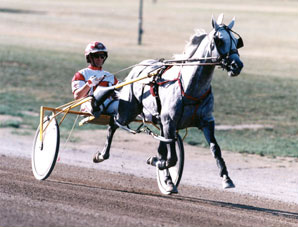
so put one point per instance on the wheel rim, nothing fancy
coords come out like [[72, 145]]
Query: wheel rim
[[44, 157]]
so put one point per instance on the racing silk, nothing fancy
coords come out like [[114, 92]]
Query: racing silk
[[108, 79], [82, 76]]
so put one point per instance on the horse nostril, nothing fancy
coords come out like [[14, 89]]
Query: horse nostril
[[234, 64]]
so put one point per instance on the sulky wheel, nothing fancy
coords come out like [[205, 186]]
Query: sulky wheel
[[45, 153]]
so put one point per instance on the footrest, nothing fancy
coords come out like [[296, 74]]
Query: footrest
[[102, 120]]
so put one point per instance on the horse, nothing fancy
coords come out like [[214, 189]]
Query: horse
[[183, 96]]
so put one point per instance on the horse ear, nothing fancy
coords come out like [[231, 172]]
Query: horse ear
[[220, 18], [232, 23], [214, 24]]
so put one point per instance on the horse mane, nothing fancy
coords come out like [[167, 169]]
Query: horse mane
[[192, 45]]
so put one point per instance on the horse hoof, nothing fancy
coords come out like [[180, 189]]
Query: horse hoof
[[227, 182], [152, 161], [170, 187], [98, 157]]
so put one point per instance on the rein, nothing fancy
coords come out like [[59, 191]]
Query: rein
[[185, 62]]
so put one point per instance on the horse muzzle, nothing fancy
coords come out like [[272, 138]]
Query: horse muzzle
[[233, 65]]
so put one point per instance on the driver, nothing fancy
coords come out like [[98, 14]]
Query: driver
[[86, 80]]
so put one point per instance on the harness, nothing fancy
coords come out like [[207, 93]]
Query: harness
[[238, 42], [154, 87]]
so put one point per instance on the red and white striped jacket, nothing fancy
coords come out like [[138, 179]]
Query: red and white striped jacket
[[82, 76]]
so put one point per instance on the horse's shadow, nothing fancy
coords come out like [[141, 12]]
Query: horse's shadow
[[274, 212], [20, 11]]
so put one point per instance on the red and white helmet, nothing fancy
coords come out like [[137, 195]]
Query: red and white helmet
[[94, 47]]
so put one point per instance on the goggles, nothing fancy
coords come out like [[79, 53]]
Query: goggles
[[99, 55]]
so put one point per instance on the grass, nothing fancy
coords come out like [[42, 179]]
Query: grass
[[10, 123], [42, 44]]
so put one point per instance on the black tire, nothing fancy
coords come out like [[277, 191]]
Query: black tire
[[44, 154], [175, 171]]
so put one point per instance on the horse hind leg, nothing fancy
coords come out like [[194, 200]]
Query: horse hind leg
[[216, 152], [105, 153]]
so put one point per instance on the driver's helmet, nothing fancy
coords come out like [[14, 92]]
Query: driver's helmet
[[93, 48]]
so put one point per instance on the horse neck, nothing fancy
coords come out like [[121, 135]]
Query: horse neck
[[197, 79]]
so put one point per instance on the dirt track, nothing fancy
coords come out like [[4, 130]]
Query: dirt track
[[75, 195]]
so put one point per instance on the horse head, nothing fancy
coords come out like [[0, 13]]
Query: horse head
[[226, 46]]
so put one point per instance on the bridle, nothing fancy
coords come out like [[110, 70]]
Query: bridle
[[217, 41], [224, 58]]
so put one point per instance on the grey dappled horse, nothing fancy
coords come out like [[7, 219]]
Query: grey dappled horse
[[185, 96]]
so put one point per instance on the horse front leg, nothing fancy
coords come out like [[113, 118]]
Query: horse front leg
[[105, 153], [216, 152], [167, 157]]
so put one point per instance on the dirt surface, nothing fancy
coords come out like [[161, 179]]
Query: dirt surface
[[122, 191]]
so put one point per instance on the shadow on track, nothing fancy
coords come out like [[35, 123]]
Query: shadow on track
[[275, 212], [19, 11], [241, 206]]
